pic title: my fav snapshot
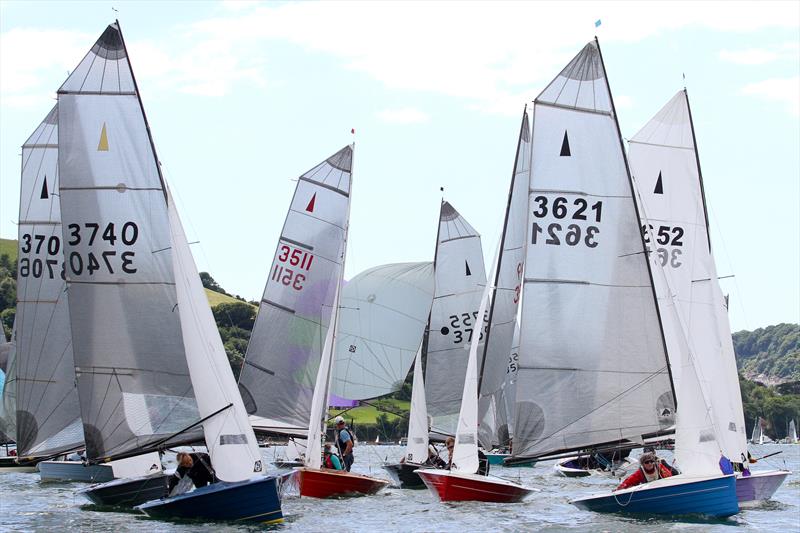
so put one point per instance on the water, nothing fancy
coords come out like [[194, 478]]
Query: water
[[28, 505]]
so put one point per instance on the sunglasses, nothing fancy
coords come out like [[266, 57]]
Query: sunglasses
[[649, 463]]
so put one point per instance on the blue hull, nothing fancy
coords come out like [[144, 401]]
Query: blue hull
[[254, 500], [74, 471], [714, 497], [498, 459]]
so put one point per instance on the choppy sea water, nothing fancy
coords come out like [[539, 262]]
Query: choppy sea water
[[26, 504]]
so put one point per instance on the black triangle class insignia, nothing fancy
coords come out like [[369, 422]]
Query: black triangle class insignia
[[659, 185], [44, 194], [565, 146], [469, 272]]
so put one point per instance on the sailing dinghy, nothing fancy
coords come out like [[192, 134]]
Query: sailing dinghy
[[665, 161], [8, 431], [462, 482], [459, 275], [586, 271], [143, 335], [286, 374]]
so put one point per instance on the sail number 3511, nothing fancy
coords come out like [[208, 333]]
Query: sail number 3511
[[292, 257], [558, 233]]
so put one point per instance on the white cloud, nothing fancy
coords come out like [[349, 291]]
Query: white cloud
[[781, 90], [406, 115], [490, 55], [761, 56]]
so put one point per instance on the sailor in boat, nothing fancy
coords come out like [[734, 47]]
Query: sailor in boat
[[450, 443], [193, 469], [433, 458], [344, 441], [650, 469], [330, 460]]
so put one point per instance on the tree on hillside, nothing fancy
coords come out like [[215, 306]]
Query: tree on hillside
[[236, 314], [210, 284]]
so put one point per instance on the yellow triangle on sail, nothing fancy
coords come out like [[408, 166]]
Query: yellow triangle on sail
[[103, 144]]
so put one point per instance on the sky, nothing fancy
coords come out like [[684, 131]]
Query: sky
[[243, 97]]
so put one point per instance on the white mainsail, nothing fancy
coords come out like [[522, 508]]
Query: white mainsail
[[664, 160], [130, 359], [792, 434], [506, 293], [454, 321], [382, 317], [287, 343], [592, 366], [47, 411]]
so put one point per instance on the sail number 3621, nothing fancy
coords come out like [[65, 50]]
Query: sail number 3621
[[558, 233], [292, 257]]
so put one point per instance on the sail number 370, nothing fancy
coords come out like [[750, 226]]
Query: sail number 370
[[294, 261], [558, 233]]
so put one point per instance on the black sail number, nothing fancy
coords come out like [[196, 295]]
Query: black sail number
[[107, 243], [573, 234]]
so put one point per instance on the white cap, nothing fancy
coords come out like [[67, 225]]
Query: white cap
[[338, 420]]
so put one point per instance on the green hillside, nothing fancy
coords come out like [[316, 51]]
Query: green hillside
[[9, 247], [769, 355]]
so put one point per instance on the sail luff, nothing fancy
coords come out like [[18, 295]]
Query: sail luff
[[638, 217], [699, 168]]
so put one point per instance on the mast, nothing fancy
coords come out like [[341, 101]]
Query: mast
[[639, 217], [699, 170]]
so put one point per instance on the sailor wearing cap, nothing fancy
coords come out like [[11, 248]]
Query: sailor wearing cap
[[344, 441]]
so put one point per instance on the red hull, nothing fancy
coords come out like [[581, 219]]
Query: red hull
[[450, 487], [336, 483]]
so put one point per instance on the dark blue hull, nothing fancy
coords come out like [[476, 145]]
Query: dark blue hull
[[715, 497], [128, 492], [254, 500]]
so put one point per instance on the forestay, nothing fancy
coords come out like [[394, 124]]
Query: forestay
[[382, 318], [283, 356], [492, 412], [47, 412], [130, 360], [593, 365], [460, 280], [663, 156]]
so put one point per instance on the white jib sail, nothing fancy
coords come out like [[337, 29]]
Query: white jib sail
[[382, 318], [593, 367], [664, 160], [417, 447], [460, 279], [465, 452], [505, 300], [229, 437]]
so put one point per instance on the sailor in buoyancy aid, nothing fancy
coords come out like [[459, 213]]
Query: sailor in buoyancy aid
[[344, 441], [650, 469], [330, 460]]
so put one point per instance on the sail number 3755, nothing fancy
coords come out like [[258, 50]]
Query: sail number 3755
[[571, 234]]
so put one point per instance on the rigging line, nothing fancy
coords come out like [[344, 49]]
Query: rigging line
[[88, 70]]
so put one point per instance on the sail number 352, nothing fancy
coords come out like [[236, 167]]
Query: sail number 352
[[558, 233], [292, 257]]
